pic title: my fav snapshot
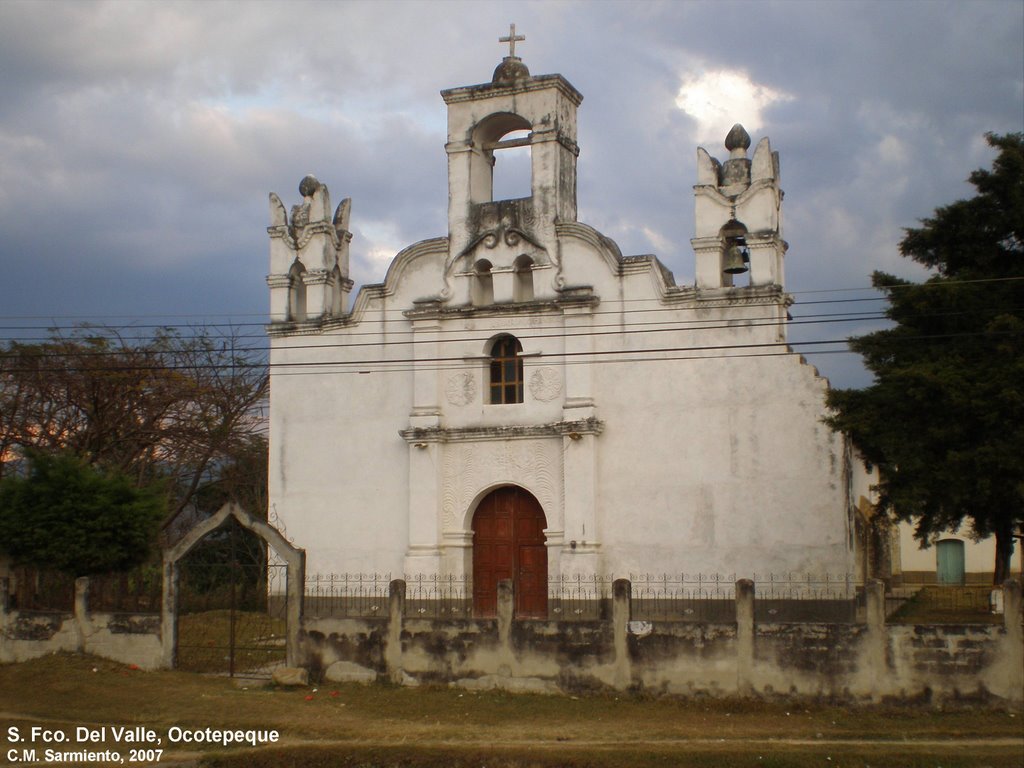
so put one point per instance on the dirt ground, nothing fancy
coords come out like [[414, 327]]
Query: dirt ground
[[381, 726]]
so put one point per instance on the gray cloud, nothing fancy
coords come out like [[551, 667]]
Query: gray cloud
[[138, 141]]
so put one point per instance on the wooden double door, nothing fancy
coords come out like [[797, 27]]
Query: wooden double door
[[508, 543]]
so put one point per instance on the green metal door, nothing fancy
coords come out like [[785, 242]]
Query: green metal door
[[950, 559]]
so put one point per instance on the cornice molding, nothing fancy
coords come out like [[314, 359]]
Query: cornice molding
[[559, 429]]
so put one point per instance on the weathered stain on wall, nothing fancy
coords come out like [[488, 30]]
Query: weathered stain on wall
[[124, 637], [845, 661]]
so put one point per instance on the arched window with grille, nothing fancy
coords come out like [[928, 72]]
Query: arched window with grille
[[506, 371]]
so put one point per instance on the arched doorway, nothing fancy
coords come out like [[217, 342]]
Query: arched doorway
[[508, 543], [949, 557]]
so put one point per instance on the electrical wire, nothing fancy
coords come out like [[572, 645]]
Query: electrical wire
[[372, 365]]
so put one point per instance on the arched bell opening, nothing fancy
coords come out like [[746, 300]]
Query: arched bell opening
[[501, 143], [735, 256], [512, 166]]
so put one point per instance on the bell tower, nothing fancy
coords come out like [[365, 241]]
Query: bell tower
[[739, 216], [479, 119]]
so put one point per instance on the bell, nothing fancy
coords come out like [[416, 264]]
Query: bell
[[736, 260]]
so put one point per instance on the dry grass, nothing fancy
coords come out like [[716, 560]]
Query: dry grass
[[947, 605], [203, 640], [379, 726]]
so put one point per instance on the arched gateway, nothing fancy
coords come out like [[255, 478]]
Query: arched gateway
[[295, 564], [508, 543]]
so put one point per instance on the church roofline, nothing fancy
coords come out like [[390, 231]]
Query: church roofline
[[367, 292], [488, 90]]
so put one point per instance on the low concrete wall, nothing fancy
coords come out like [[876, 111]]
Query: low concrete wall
[[129, 638], [852, 662]]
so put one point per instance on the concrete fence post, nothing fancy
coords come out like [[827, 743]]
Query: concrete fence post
[[295, 655], [506, 613], [622, 599], [506, 610], [82, 622], [396, 615], [745, 637], [5, 599], [874, 602], [169, 613], [1012, 607], [874, 663], [1014, 637]]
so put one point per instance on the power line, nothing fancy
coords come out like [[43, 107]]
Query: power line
[[549, 332], [681, 326], [88, 318], [459, 362]]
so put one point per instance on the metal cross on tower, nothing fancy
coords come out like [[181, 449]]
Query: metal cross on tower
[[511, 39]]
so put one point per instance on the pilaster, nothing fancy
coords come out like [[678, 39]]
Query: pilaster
[[426, 346], [579, 344], [581, 542], [424, 553], [319, 292], [279, 286]]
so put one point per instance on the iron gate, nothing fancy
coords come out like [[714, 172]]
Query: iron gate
[[232, 606]]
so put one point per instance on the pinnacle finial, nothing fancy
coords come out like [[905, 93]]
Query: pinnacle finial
[[308, 186], [737, 138]]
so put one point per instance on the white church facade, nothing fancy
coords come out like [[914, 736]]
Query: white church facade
[[519, 400]]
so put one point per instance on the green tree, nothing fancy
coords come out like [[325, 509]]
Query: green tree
[[944, 418], [76, 518]]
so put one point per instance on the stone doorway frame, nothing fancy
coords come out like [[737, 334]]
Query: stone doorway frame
[[294, 558]]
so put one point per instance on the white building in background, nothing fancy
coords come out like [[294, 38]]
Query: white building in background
[[951, 558], [889, 550], [519, 400]]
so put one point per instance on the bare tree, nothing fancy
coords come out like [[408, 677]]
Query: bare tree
[[171, 407]]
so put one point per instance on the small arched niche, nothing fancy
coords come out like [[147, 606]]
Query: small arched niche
[[483, 284], [296, 293], [337, 292], [503, 170], [522, 285]]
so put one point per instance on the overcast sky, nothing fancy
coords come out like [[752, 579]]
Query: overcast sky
[[138, 141]]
